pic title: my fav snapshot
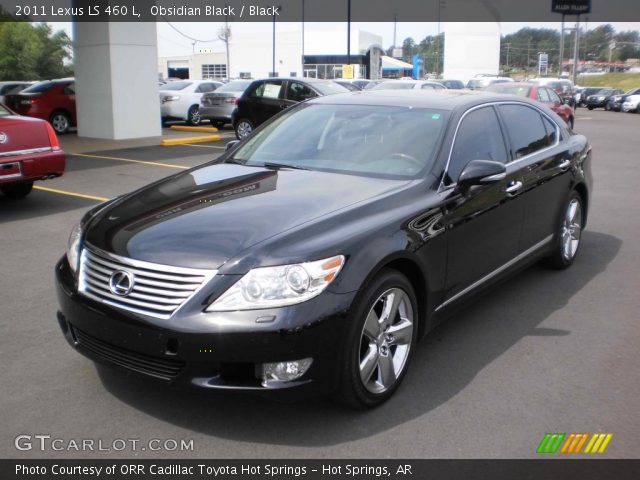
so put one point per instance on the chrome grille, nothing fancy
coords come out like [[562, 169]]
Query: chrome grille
[[158, 290]]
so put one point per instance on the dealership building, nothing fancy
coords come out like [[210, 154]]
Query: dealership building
[[252, 56]]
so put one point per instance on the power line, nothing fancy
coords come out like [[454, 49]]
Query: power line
[[187, 36]]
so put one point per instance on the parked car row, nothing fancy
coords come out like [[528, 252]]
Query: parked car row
[[609, 98]]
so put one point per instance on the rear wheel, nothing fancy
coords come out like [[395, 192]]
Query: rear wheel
[[243, 128], [17, 190], [590, 107], [380, 341], [567, 241], [193, 115], [61, 122]]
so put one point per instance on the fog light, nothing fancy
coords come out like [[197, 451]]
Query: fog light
[[284, 371]]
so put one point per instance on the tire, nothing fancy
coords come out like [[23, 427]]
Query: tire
[[590, 107], [218, 124], [571, 122], [193, 115], [243, 128], [17, 190], [61, 122], [374, 359], [607, 107], [163, 121], [568, 237]]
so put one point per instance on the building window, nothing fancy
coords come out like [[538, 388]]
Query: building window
[[217, 70], [293, 74], [245, 75]]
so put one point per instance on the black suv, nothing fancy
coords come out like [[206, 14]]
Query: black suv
[[265, 98]]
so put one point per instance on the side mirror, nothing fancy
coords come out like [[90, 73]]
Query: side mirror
[[231, 145], [481, 172]]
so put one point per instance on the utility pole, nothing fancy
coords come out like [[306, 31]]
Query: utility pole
[[349, 32], [508, 47], [528, 55], [224, 34], [575, 51], [560, 70]]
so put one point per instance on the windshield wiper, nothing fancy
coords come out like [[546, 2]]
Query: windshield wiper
[[284, 165]]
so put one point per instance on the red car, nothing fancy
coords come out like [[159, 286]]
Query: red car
[[541, 93], [29, 150], [53, 100]]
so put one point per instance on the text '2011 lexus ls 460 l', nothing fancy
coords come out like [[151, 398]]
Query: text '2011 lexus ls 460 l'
[[310, 257]]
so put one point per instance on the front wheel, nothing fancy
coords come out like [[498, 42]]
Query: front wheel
[[607, 107], [380, 341], [567, 241], [17, 190]]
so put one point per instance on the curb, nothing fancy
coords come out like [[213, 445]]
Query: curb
[[186, 128], [168, 142]]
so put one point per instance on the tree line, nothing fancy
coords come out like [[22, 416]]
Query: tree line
[[519, 50]]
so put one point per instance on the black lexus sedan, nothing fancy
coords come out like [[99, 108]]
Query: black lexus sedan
[[311, 256]]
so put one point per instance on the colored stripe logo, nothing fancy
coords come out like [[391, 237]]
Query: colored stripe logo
[[574, 442]]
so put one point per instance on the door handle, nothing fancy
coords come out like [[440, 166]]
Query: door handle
[[513, 188], [564, 166]]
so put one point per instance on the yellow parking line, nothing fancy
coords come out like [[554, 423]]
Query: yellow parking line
[[71, 194], [120, 159]]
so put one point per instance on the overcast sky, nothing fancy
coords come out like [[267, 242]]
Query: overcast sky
[[170, 42]]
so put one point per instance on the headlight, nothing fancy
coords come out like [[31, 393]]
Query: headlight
[[270, 287], [73, 247], [171, 98]]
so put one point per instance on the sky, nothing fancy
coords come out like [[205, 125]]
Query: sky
[[172, 43]]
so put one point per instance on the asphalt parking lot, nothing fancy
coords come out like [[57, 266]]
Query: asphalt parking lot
[[544, 352]]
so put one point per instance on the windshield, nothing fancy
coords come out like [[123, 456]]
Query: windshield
[[175, 85], [39, 87], [605, 91], [235, 86], [383, 141], [329, 88], [512, 89]]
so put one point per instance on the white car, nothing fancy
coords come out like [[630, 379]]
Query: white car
[[181, 100], [408, 85], [631, 104]]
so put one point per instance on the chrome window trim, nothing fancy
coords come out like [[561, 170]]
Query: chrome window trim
[[496, 272], [28, 151], [443, 187]]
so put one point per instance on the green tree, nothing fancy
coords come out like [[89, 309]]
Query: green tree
[[32, 52]]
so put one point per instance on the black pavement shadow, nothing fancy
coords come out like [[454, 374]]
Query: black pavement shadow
[[40, 204], [444, 363]]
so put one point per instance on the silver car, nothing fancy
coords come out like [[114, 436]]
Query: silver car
[[217, 106]]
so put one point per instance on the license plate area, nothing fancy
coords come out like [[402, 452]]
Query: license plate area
[[10, 170]]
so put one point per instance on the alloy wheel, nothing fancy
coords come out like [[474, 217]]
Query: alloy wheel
[[60, 123], [385, 341], [571, 229], [244, 128]]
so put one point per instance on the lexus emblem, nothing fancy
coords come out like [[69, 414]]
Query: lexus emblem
[[121, 283], [3, 137]]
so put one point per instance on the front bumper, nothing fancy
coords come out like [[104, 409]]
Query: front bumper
[[173, 110], [217, 350], [629, 107]]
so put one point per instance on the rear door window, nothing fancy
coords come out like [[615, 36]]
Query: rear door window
[[269, 89], [526, 129]]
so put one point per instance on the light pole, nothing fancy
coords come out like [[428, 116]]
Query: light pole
[[273, 42], [348, 32], [302, 73]]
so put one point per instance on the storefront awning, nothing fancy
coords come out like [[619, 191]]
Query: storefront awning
[[389, 63]]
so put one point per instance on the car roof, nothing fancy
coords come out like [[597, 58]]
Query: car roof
[[439, 99]]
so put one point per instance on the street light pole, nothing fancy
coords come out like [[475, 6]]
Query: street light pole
[[273, 48], [575, 51]]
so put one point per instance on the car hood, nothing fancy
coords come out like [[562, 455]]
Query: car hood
[[204, 217]]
